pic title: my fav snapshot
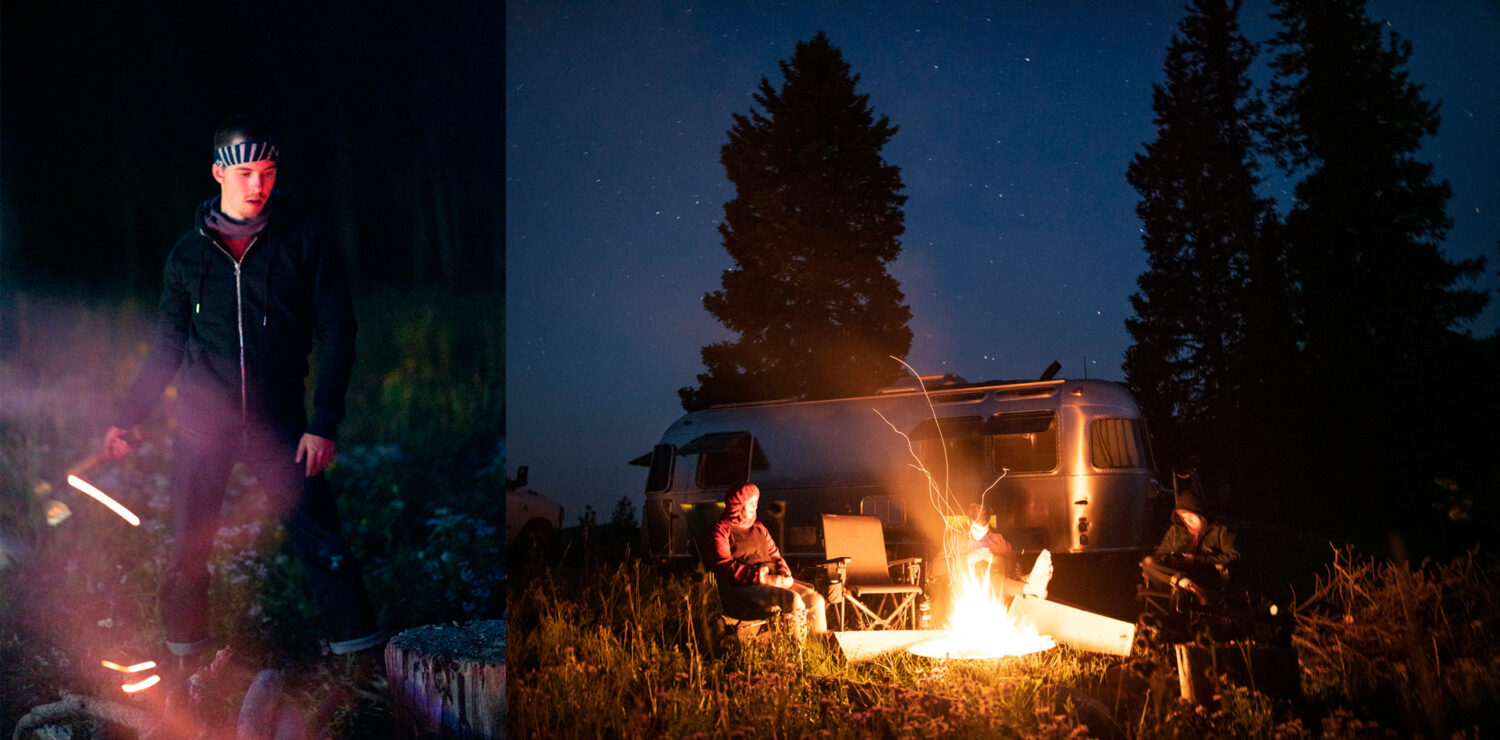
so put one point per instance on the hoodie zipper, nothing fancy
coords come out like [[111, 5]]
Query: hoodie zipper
[[239, 322]]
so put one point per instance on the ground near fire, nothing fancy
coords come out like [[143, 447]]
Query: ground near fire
[[419, 447], [604, 644]]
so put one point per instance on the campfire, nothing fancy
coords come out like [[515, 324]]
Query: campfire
[[981, 626]]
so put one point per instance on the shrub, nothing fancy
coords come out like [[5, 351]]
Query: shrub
[[1414, 646]]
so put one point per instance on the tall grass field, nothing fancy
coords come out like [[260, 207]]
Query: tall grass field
[[613, 648]]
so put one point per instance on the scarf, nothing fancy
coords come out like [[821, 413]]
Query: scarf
[[229, 227]]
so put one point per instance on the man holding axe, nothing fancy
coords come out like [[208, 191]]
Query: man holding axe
[[245, 293]]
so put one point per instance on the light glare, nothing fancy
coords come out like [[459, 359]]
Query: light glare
[[131, 688], [104, 498]]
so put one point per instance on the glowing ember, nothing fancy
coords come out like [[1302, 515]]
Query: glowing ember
[[104, 498], [131, 688], [137, 668]]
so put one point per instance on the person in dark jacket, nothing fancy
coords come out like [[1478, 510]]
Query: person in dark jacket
[[244, 295], [1192, 551], [747, 560]]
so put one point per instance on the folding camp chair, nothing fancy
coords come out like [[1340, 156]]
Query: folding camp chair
[[862, 575]]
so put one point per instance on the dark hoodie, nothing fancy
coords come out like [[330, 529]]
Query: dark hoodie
[[1215, 544], [739, 551], [240, 333]]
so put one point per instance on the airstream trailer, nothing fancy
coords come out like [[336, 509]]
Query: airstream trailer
[[1063, 464]]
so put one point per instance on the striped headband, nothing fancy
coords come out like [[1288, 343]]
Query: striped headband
[[245, 151]]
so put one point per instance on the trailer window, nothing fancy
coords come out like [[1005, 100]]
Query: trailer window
[[725, 458], [889, 509], [721, 469], [957, 457], [660, 476], [1023, 442], [1117, 443]]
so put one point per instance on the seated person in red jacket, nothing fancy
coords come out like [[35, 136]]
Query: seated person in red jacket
[[746, 560], [1190, 551]]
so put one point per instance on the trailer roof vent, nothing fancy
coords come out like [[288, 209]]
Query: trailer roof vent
[[1012, 394], [908, 383]]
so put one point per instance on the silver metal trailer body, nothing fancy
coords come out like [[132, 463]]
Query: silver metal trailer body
[[1070, 458]]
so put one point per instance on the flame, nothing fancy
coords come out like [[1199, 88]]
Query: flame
[[137, 668], [104, 498], [131, 688]]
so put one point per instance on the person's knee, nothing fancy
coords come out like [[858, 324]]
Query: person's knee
[[786, 600]]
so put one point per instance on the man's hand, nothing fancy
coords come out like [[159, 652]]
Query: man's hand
[[317, 452], [1194, 589], [119, 442]]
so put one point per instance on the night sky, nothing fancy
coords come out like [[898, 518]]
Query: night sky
[[1017, 122]]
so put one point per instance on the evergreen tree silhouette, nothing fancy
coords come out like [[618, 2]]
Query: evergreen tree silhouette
[[816, 219], [1212, 306], [1378, 301]]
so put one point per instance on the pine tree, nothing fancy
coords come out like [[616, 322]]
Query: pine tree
[[816, 219], [1206, 313], [1379, 300]]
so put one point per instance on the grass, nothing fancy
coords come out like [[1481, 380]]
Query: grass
[[618, 650], [418, 478]]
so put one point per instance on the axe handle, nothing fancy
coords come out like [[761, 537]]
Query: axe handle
[[88, 463]]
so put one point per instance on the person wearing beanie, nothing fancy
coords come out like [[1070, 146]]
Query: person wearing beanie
[[746, 560], [1192, 551], [245, 294]]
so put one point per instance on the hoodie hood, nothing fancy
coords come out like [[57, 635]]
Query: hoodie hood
[[734, 503], [1188, 501]]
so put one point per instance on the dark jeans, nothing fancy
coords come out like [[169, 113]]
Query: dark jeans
[[307, 510]]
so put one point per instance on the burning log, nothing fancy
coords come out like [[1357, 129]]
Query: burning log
[[1082, 630], [857, 646], [448, 681]]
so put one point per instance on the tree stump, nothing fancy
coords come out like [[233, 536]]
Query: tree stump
[[448, 681]]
